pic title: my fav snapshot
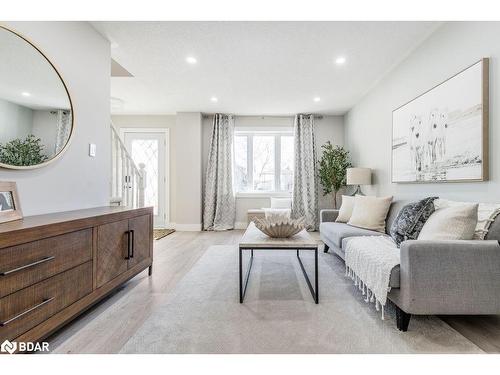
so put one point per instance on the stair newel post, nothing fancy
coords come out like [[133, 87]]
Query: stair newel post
[[133, 188], [123, 182], [129, 182], [141, 186], [114, 165]]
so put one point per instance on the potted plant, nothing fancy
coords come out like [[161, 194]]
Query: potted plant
[[22, 152], [332, 169]]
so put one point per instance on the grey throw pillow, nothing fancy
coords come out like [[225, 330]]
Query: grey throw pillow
[[411, 219]]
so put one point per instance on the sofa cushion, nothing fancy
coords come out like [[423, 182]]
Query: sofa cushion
[[370, 212], [486, 214], [277, 213], [494, 230], [396, 206], [451, 223], [411, 219], [336, 232], [345, 210], [281, 203]]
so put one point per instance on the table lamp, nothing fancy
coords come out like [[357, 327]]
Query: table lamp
[[359, 176]]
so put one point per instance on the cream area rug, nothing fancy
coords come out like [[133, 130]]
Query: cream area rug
[[203, 313]]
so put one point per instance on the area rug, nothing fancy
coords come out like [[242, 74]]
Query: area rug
[[203, 313], [160, 233]]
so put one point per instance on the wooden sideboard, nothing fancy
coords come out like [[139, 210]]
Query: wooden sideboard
[[53, 267]]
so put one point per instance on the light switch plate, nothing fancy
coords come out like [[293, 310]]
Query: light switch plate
[[92, 149]]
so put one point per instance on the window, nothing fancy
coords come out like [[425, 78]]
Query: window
[[263, 161]]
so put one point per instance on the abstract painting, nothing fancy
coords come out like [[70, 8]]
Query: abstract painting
[[442, 135]]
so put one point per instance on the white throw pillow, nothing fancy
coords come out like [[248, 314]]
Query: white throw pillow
[[281, 202], [345, 210], [486, 214], [370, 212], [451, 223], [277, 213]]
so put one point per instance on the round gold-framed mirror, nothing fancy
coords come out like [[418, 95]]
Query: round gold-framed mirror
[[36, 111]]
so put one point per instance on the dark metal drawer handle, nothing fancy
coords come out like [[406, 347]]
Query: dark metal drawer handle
[[43, 260], [44, 302], [133, 243], [129, 244]]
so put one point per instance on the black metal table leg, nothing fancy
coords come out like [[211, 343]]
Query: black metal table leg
[[241, 280], [314, 292], [316, 275], [243, 286]]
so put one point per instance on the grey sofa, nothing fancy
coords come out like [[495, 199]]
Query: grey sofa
[[434, 277]]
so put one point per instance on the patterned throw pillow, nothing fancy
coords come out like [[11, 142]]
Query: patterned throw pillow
[[411, 219]]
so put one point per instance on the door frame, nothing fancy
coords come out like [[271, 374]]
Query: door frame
[[166, 132]]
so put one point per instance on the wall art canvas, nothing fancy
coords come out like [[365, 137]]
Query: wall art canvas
[[442, 135]]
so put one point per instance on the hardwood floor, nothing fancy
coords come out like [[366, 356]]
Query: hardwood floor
[[106, 327], [484, 331]]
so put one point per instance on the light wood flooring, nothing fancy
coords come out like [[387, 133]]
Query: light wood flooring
[[106, 327]]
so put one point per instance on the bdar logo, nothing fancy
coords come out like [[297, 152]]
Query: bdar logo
[[8, 347]]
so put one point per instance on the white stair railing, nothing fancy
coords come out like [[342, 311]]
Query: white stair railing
[[128, 181]]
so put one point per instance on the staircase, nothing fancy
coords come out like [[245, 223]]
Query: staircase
[[128, 181]]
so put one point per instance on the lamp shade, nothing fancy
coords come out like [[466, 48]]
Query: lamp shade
[[359, 176]]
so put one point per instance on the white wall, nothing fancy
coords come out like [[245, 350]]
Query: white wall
[[75, 181], [45, 128], [15, 121], [328, 128], [189, 171], [453, 47]]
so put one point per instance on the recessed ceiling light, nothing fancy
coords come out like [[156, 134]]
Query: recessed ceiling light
[[317, 99], [25, 94], [340, 60], [214, 99], [191, 60]]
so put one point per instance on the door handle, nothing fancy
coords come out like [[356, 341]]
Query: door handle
[[129, 244], [132, 232]]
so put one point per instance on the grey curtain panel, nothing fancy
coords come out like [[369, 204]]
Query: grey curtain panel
[[63, 129], [305, 180], [219, 209]]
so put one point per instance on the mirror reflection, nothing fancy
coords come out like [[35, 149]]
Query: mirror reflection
[[35, 110], [6, 201]]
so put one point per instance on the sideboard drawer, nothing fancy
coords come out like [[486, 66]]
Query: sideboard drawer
[[26, 308], [26, 264]]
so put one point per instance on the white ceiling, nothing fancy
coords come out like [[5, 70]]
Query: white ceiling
[[24, 70], [253, 67]]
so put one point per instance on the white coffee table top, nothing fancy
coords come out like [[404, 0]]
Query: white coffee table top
[[255, 239]]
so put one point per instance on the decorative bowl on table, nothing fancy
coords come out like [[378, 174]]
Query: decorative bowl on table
[[279, 227]]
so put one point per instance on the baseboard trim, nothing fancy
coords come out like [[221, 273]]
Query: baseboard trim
[[240, 225], [170, 226], [188, 227]]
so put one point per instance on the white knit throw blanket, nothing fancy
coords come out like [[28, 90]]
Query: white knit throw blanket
[[369, 261]]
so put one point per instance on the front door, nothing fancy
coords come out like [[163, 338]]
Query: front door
[[150, 148]]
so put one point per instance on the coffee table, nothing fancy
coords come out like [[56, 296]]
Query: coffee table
[[254, 239]]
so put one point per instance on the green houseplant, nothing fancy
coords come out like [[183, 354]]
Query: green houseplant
[[22, 152], [332, 169]]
